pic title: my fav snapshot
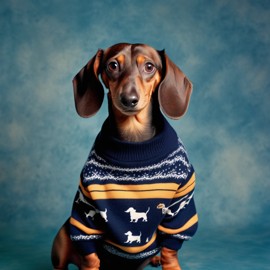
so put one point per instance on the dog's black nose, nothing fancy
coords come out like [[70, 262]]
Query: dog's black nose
[[129, 101]]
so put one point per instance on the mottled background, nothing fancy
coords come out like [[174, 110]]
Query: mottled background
[[222, 46]]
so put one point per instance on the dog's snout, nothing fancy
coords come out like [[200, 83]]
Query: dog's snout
[[129, 98], [129, 101]]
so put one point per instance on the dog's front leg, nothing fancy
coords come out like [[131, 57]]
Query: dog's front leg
[[169, 259], [90, 262]]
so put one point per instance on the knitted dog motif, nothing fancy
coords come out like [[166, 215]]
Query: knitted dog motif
[[135, 216], [183, 202], [133, 238], [91, 212]]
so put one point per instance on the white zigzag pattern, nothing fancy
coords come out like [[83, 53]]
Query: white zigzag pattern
[[147, 168], [127, 178], [176, 157]]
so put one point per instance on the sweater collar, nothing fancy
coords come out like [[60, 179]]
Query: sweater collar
[[134, 154]]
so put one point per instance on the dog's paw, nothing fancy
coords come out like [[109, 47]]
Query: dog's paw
[[169, 259], [155, 261]]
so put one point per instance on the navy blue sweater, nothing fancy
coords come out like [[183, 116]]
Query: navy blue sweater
[[135, 198]]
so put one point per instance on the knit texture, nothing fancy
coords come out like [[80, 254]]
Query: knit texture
[[135, 198]]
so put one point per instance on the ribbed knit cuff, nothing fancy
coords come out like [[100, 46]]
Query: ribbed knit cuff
[[174, 244], [85, 247]]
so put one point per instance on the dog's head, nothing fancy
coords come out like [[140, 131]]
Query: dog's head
[[131, 72], [130, 209]]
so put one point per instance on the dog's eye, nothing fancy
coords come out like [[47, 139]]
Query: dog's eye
[[149, 67], [113, 66]]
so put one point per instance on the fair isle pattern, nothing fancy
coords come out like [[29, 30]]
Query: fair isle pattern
[[175, 166], [85, 237], [141, 255], [138, 197], [181, 236]]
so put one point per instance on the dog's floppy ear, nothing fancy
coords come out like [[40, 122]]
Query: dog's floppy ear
[[88, 90], [174, 90]]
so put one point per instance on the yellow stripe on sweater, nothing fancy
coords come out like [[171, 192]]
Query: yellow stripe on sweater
[[186, 226], [144, 191], [83, 228], [188, 187]]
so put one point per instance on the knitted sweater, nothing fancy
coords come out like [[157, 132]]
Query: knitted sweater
[[135, 198]]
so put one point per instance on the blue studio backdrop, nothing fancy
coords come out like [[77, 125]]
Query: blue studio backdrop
[[221, 45]]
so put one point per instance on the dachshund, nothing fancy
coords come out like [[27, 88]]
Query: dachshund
[[141, 82]]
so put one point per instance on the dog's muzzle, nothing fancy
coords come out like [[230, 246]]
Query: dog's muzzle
[[129, 98]]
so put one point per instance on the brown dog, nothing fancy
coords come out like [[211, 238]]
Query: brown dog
[[140, 79]]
